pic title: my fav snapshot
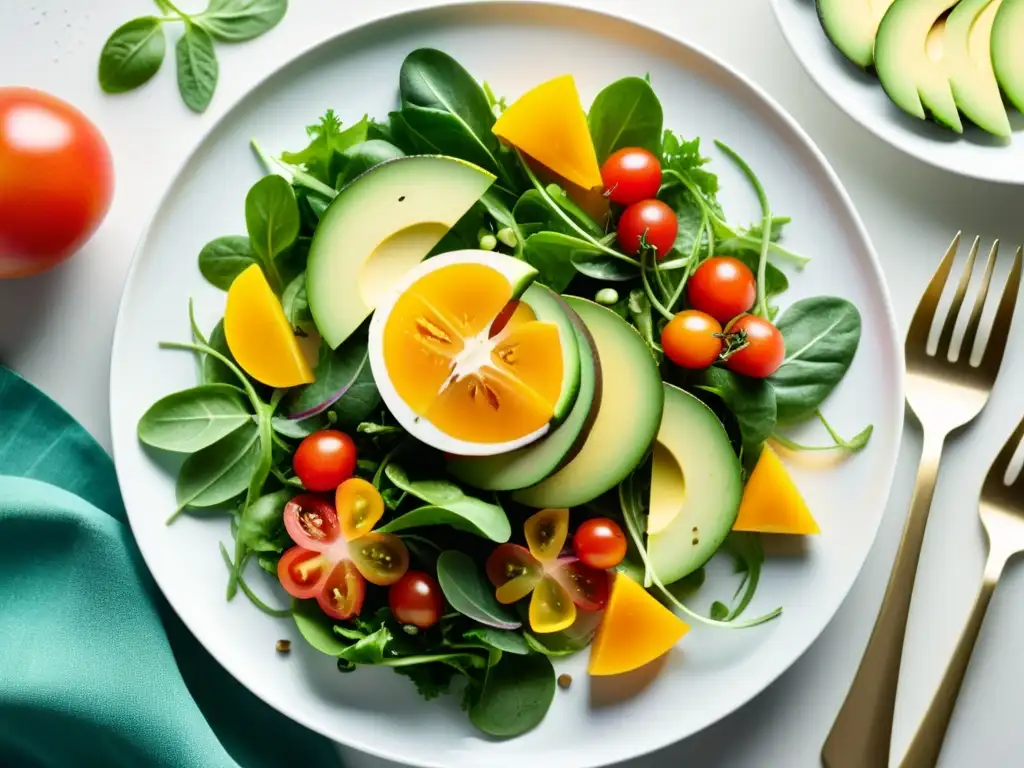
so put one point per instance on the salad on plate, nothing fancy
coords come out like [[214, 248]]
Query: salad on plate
[[494, 382]]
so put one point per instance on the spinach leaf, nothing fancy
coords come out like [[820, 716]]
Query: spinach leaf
[[751, 401], [214, 371], [822, 335], [316, 628], [197, 67], [234, 21], [297, 430], [295, 304], [469, 593], [516, 695], [601, 266], [261, 524], [560, 198], [219, 472], [775, 281], [438, 132], [625, 114], [432, 82], [361, 157], [502, 639], [132, 54], [358, 403], [224, 259], [335, 374], [449, 506], [193, 419], [550, 253], [272, 221]]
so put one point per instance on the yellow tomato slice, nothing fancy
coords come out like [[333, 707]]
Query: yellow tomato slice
[[546, 532], [551, 607], [381, 558], [360, 507], [514, 571]]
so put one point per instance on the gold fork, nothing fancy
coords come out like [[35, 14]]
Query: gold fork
[[1002, 515], [945, 394]]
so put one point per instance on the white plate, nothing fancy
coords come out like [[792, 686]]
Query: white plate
[[513, 46], [976, 154]]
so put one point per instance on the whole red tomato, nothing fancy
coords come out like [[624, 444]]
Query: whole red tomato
[[630, 175], [416, 599], [325, 459], [723, 287], [56, 181], [764, 351], [650, 223]]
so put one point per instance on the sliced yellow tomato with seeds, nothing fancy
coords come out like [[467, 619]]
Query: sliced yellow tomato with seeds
[[259, 335], [546, 532], [551, 607], [359, 507]]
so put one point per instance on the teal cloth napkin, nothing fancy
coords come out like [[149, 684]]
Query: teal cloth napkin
[[95, 668]]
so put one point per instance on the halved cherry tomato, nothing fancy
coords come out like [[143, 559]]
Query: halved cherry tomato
[[558, 584], [381, 557], [343, 592], [600, 543], [311, 522], [360, 507], [416, 599], [764, 351], [325, 459], [302, 572], [630, 175], [692, 339], [722, 287], [649, 222]]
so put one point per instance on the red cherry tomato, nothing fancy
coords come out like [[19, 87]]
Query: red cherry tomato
[[692, 339], [302, 572], [587, 586], [311, 522], [416, 599], [343, 591], [649, 221], [630, 175], [600, 543], [765, 349], [324, 460], [723, 287], [56, 181]]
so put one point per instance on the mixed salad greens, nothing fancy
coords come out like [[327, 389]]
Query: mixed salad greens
[[615, 234]]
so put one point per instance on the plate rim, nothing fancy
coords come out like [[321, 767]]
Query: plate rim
[[892, 139], [605, 16]]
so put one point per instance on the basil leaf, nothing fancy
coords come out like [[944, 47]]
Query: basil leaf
[[197, 67], [337, 371], [233, 21], [193, 419], [626, 114], [224, 259], [219, 472], [132, 54], [449, 506], [261, 524], [517, 693], [822, 335], [271, 218], [469, 593]]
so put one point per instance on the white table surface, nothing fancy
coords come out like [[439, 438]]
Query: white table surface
[[56, 330]]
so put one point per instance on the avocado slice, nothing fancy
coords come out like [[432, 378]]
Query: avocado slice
[[851, 25], [531, 464], [1008, 50], [911, 77], [968, 58], [696, 487], [377, 228], [628, 414]]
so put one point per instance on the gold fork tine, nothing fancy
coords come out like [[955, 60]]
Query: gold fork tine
[[971, 332], [997, 474], [924, 315], [958, 299], [993, 354]]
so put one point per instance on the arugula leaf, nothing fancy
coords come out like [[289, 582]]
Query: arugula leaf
[[748, 557], [234, 21], [193, 419], [627, 113], [198, 69], [369, 649], [326, 138], [684, 158], [132, 54], [853, 445], [431, 680]]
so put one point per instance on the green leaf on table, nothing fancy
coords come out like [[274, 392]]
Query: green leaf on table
[[516, 695], [197, 67], [822, 334], [449, 505], [327, 138], [190, 420], [234, 21], [627, 113], [224, 259], [316, 628], [261, 524], [469, 592], [219, 472], [271, 218], [132, 54]]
